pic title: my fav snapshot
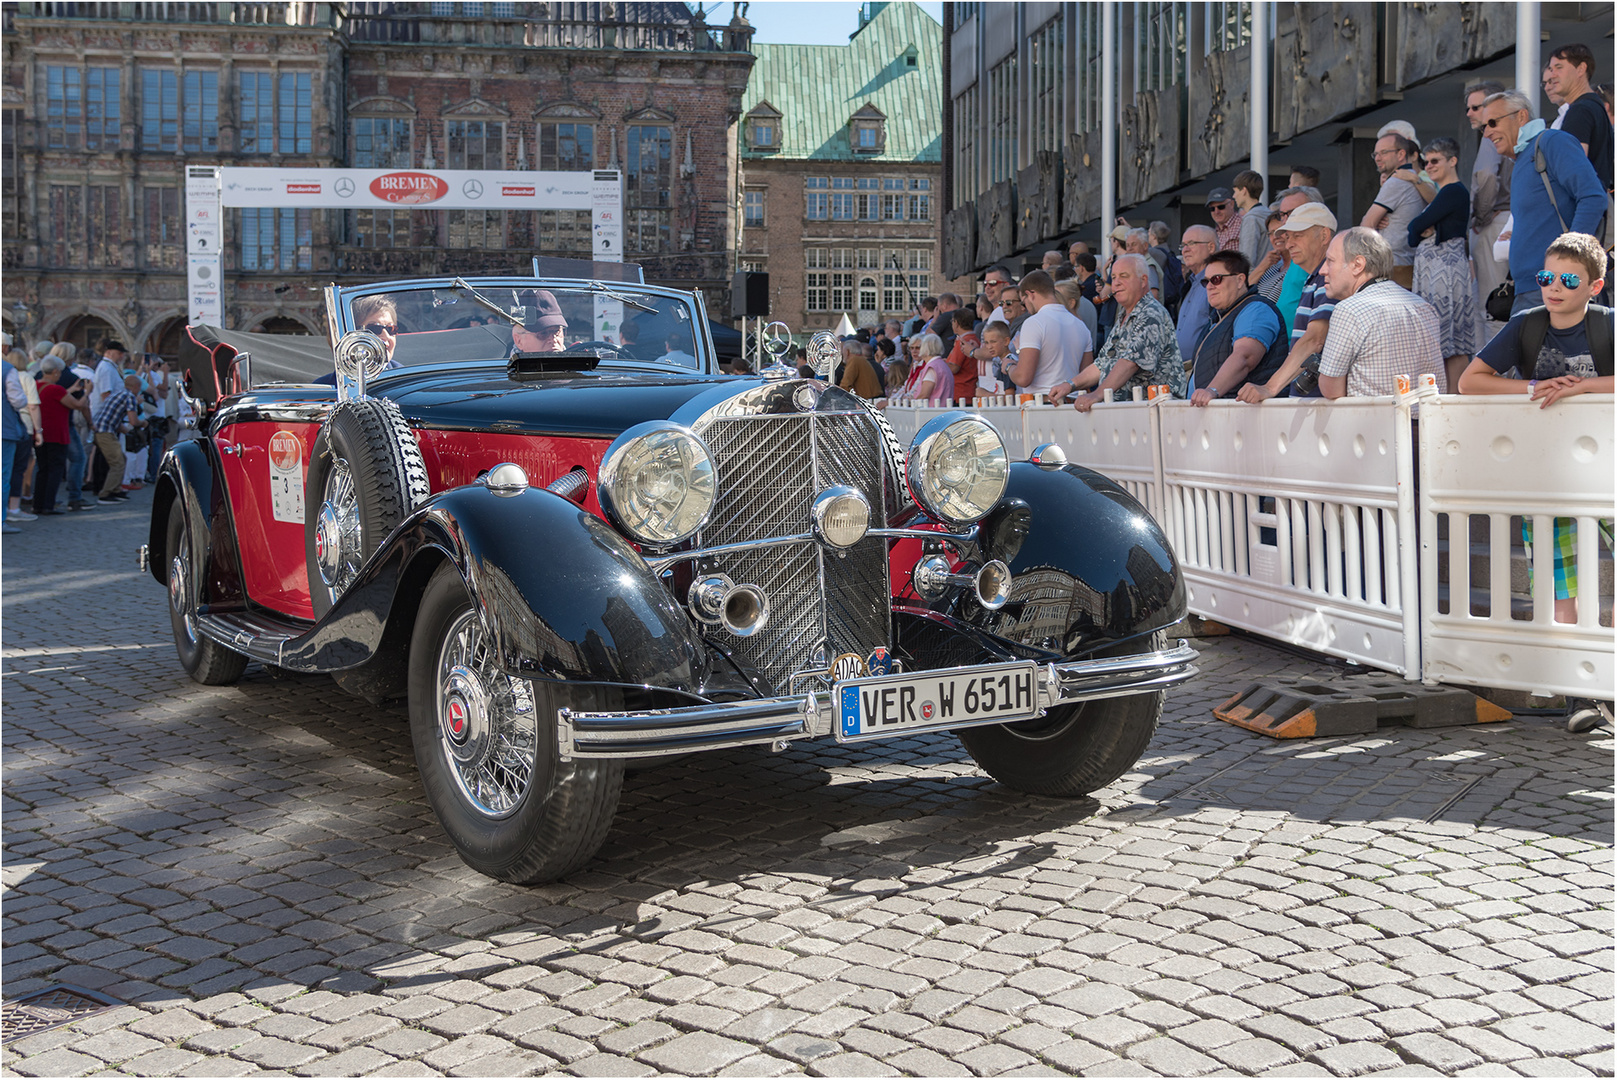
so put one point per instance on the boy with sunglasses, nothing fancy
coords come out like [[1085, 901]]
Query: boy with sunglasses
[[1561, 350]]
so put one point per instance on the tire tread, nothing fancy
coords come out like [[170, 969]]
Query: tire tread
[[377, 439], [1084, 759]]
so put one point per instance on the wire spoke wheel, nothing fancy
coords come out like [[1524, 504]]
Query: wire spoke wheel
[[366, 476], [487, 723], [338, 536], [486, 743]]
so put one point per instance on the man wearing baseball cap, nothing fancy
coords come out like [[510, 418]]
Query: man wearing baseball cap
[[1226, 218], [1309, 227], [542, 325]]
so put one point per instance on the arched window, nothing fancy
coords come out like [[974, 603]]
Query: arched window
[[867, 294]]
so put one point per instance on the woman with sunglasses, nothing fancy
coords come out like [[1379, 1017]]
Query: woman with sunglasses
[[380, 316], [1442, 269]]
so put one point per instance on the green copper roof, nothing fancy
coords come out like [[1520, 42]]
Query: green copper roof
[[818, 88]]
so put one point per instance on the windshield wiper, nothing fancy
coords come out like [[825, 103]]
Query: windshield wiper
[[462, 284], [596, 286]]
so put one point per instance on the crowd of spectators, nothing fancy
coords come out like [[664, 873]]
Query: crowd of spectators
[[1490, 283], [82, 427], [1282, 299]]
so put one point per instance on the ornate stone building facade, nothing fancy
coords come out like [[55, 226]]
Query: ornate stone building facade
[[106, 103], [840, 167]]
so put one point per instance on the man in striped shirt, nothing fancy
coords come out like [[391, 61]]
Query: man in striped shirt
[[117, 413]]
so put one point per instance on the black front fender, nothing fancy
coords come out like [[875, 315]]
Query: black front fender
[[189, 474], [563, 596], [1094, 568]]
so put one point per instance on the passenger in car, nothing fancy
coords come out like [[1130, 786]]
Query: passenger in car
[[676, 348]]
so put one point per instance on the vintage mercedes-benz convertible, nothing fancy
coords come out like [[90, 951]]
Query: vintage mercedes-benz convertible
[[537, 510]]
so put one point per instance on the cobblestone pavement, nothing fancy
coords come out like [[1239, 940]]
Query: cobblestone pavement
[[253, 870]]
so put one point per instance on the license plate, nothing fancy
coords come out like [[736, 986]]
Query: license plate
[[957, 697]]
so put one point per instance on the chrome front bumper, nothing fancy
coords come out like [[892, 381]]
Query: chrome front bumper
[[810, 715]]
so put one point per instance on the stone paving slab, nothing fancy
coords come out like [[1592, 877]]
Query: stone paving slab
[[254, 872]]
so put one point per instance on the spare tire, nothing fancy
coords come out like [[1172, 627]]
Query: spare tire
[[366, 475]]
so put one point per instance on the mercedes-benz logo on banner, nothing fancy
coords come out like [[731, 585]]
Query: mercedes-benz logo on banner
[[472, 189], [343, 187]]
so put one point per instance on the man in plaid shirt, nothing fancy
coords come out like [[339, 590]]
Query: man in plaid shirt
[[118, 413], [1379, 330]]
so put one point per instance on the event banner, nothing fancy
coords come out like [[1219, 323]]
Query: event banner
[[205, 299], [435, 189]]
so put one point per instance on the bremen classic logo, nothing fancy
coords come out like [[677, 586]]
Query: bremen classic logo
[[409, 187]]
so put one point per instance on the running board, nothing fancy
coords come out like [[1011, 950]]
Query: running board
[[254, 634]]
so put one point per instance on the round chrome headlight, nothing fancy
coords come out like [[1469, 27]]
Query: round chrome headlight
[[957, 467], [841, 516], [658, 483], [360, 349]]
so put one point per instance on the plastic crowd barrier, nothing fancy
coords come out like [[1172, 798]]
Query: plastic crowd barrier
[[1486, 462], [1287, 519], [1302, 521]]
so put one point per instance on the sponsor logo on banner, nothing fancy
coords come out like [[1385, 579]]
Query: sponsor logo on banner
[[511, 191], [303, 189], [409, 187], [202, 288]]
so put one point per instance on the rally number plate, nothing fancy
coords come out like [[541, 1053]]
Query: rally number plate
[[918, 701]]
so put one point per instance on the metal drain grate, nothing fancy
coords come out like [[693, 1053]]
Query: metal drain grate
[[50, 1008]]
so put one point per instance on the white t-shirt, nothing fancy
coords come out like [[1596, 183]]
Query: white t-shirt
[[160, 392], [988, 380], [1061, 338], [108, 379]]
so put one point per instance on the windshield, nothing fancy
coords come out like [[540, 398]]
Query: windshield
[[430, 325]]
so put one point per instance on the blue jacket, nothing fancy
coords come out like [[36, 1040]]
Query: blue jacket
[[11, 425], [1578, 193]]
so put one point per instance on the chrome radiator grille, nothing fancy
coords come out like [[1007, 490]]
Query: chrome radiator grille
[[771, 467]]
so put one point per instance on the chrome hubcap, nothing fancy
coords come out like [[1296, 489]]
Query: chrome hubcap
[[179, 596], [336, 531], [488, 727]]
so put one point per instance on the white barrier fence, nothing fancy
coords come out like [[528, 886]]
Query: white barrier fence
[[1496, 460], [1298, 521]]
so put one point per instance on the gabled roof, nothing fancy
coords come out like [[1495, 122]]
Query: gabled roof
[[818, 89]]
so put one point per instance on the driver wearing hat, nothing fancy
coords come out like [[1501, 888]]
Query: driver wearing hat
[[542, 327]]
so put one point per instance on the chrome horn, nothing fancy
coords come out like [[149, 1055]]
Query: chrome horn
[[743, 610], [991, 584]]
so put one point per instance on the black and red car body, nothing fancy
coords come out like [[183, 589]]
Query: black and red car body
[[607, 550]]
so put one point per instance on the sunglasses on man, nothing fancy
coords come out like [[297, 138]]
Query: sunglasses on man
[[382, 328], [1546, 278]]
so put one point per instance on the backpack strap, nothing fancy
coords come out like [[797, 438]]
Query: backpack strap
[[1543, 174], [1597, 325], [1535, 324]]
